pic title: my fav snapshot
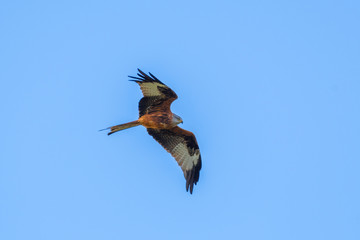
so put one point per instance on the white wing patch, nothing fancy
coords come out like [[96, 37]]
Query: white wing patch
[[150, 89], [183, 158]]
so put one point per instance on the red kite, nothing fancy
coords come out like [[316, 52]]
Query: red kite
[[161, 124]]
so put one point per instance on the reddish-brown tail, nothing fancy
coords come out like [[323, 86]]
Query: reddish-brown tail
[[120, 127]]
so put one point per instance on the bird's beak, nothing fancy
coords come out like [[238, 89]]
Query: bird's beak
[[182, 121]]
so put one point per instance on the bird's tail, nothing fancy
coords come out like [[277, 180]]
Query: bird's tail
[[120, 127]]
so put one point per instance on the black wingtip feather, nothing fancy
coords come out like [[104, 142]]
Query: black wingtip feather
[[137, 79], [143, 77], [192, 176], [154, 77]]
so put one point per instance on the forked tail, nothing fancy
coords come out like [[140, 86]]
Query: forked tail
[[120, 127]]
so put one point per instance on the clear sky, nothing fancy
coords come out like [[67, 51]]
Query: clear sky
[[271, 90]]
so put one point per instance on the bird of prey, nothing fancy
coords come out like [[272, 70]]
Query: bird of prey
[[155, 115]]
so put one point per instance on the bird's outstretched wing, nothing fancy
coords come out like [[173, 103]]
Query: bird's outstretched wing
[[183, 147], [157, 96]]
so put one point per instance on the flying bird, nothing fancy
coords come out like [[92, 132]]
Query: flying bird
[[155, 115]]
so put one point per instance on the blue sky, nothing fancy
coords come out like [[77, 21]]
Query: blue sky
[[270, 88]]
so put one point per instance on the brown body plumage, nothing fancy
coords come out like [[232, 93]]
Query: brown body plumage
[[161, 124], [157, 120]]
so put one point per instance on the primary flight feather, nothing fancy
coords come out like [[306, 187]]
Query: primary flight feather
[[161, 124]]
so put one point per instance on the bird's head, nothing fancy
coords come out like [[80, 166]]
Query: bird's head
[[177, 119]]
